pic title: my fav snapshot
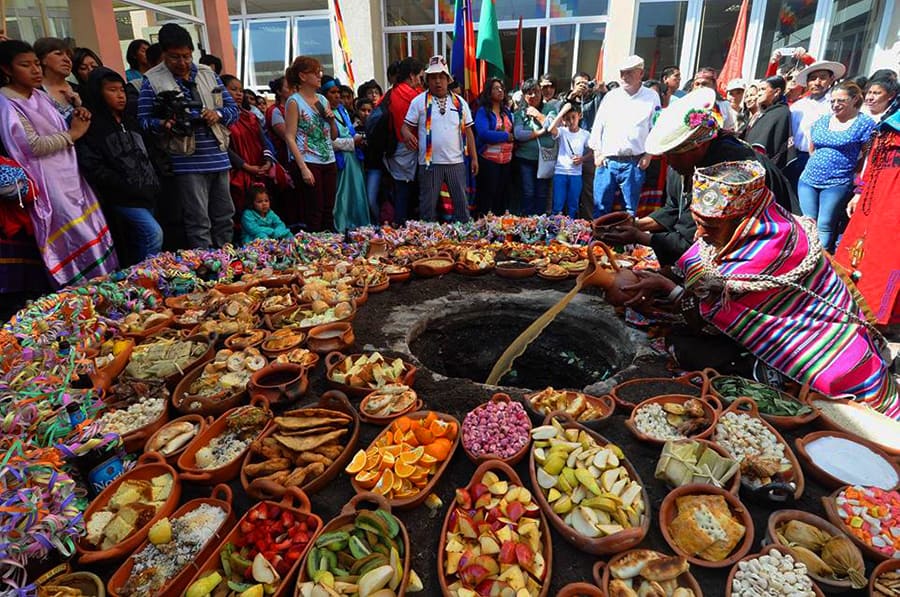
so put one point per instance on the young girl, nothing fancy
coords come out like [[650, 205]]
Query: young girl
[[567, 174], [258, 221]]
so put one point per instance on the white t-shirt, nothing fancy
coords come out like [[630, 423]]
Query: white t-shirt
[[570, 145], [804, 113], [446, 142], [623, 122]]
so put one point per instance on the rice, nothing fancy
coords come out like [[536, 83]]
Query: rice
[[862, 421]]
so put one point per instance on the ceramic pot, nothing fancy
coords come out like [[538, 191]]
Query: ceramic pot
[[611, 281], [279, 382], [602, 575], [766, 550], [609, 221]]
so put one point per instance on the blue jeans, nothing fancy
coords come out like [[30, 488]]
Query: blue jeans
[[623, 174], [534, 189], [826, 206], [373, 185], [566, 194], [146, 234]]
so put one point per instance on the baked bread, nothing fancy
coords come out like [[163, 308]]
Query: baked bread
[[632, 563], [695, 529], [650, 588], [666, 568], [722, 548], [95, 525], [620, 588], [130, 492], [127, 520], [161, 487]]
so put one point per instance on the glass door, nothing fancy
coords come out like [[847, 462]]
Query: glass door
[[267, 51]]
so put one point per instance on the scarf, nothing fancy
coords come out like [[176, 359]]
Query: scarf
[[457, 105], [348, 124]]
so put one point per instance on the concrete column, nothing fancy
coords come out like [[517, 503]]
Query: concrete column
[[620, 37], [362, 22], [218, 30], [94, 26]]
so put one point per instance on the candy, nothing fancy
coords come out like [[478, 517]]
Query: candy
[[872, 516]]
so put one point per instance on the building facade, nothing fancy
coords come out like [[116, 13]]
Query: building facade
[[259, 38]]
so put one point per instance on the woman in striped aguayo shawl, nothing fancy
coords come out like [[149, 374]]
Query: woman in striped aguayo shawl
[[760, 276]]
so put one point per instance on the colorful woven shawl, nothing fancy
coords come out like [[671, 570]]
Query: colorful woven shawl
[[784, 302], [457, 107]]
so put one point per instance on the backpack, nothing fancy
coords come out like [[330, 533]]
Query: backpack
[[380, 138]]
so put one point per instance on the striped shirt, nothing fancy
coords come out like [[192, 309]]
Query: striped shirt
[[207, 156]]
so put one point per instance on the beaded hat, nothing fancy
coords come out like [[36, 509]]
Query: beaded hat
[[729, 190], [687, 122]]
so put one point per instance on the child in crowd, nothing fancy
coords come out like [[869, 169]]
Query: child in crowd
[[258, 221], [364, 107], [567, 174]]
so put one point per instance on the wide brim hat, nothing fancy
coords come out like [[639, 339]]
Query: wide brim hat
[[835, 68], [729, 189], [687, 121], [437, 65]]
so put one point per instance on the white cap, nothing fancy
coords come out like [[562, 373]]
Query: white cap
[[437, 64], [736, 84], [631, 62]]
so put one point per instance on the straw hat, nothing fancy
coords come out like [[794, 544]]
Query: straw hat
[[687, 122], [835, 68]]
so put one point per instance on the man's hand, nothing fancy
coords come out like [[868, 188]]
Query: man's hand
[[577, 160], [645, 161], [624, 235], [533, 112], [307, 176], [474, 166], [851, 206], [599, 160], [251, 169], [82, 114], [650, 286], [410, 138], [210, 116]]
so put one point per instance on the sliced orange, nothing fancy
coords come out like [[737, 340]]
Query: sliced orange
[[385, 484], [439, 448], [387, 460], [427, 459], [373, 459], [398, 483], [394, 450], [367, 479], [402, 424], [429, 419], [358, 463], [403, 470], [443, 429], [424, 436], [412, 456]]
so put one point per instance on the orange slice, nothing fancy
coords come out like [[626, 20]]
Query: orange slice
[[385, 484], [373, 459], [398, 483], [429, 418], [387, 460], [358, 463], [427, 459], [394, 450], [439, 448], [367, 479], [403, 470], [424, 436], [413, 456], [443, 429], [402, 424]]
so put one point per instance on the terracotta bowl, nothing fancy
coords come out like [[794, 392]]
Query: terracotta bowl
[[515, 270], [276, 280], [234, 287], [213, 405], [149, 466], [104, 377], [296, 340], [221, 497], [201, 422], [692, 383], [611, 220], [834, 518], [503, 470], [828, 423], [173, 379], [668, 511], [553, 278], [882, 568], [276, 321], [605, 403], [296, 502], [774, 493], [780, 517], [152, 330], [187, 461], [765, 550], [437, 265], [734, 484], [411, 502], [827, 480], [333, 359], [331, 337], [279, 383], [603, 545], [88, 583], [603, 577], [510, 460], [376, 288], [133, 441], [780, 421], [711, 407], [580, 589], [400, 277], [461, 268], [242, 340], [265, 490], [347, 516], [417, 404]]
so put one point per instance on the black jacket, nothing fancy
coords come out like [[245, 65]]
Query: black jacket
[[771, 133], [112, 155]]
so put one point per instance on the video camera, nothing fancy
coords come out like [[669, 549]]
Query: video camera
[[173, 105]]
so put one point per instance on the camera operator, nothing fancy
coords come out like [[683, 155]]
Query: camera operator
[[185, 107], [588, 94]]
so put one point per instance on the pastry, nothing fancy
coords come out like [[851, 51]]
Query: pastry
[[620, 588], [95, 525], [663, 569], [631, 564]]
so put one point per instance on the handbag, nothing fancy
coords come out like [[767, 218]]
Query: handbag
[[546, 160], [15, 184]]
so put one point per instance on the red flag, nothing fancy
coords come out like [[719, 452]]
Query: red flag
[[518, 73], [598, 74], [734, 61]]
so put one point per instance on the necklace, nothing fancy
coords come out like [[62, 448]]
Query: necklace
[[442, 104]]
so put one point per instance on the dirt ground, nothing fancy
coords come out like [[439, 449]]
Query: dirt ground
[[459, 396]]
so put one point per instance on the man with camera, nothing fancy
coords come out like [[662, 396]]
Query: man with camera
[[186, 109], [588, 94]]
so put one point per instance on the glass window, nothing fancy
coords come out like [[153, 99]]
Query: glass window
[[312, 37], [854, 30], [787, 24], [511, 10], [422, 45], [508, 44], [234, 7], [717, 28], [267, 51], [590, 40], [29, 20], [562, 50], [409, 12], [396, 46], [660, 34], [236, 42], [135, 22], [283, 6], [578, 8]]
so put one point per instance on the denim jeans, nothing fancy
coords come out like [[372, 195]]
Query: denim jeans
[[566, 194], [373, 186], [623, 174], [826, 206], [146, 233], [207, 207], [534, 189]]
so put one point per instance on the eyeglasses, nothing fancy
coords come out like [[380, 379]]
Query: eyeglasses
[[317, 71], [179, 58]]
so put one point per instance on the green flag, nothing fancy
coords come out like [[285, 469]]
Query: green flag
[[488, 48]]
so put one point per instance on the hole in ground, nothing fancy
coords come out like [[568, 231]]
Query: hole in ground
[[580, 347]]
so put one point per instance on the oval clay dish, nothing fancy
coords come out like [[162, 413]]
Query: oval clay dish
[[103, 378], [765, 551], [580, 589], [514, 270], [711, 409], [207, 406], [513, 460], [882, 568], [437, 265], [610, 544], [604, 403], [828, 480], [416, 404], [331, 337], [890, 429], [602, 575], [334, 359], [200, 422], [504, 472], [734, 484], [780, 421], [828, 502], [648, 387]]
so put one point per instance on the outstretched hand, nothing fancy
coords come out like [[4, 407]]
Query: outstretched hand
[[649, 287]]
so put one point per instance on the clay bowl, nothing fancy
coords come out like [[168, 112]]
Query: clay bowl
[[279, 383], [277, 321], [478, 459], [294, 501], [198, 420], [247, 339], [605, 403], [134, 440], [377, 248], [780, 517], [149, 466], [514, 270], [276, 280], [882, 568], [88, 583], [380, 286], [347, 516], [411, 502], [826, 479], [403, 274], [103, 378], [234, 287], [187, 461], [152, 330], [892, 428], [268, 346], [417, 404], [463, 269], [265, 490], [580, 589], [668, 511], [213, 405], [504, 472], [553, 278], [611, 544], [184, 302], [603, 577], [828, 502], [221, 497], [331, 337], [690, 384], [172, 380], [334, 359], [183, 322], [610, 221], [436, 265], [775, 493], [764, 551], [734, 484], [780, 421], [711, 408]]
